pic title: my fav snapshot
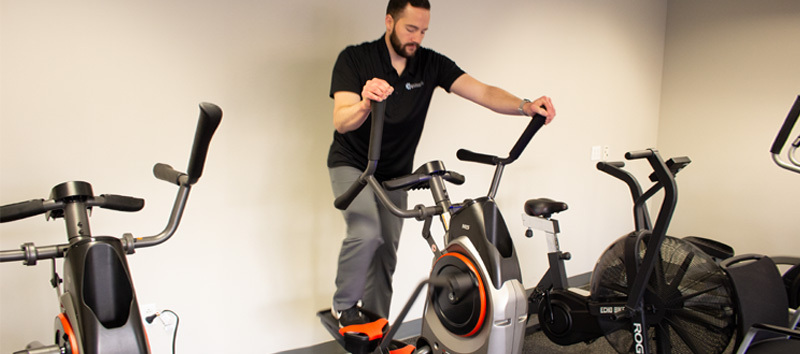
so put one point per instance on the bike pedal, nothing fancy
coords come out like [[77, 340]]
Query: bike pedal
[[364, 338]]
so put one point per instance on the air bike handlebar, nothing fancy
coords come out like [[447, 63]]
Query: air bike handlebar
[[420, 212]]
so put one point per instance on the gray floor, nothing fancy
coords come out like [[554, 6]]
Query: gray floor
[[534, 343]]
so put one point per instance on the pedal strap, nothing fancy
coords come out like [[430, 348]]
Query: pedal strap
[[372, 330]]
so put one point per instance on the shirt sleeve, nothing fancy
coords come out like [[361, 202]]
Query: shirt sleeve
[[449, 71], [345, 74]]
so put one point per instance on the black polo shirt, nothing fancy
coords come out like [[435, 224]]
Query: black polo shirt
[[406, 108]]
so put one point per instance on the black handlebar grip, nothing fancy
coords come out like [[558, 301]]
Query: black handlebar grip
[[376, 134], [405, 181], [786, 128], [210, 117], [617, 164], [454, 177], [165, 172], [121, 203], [535, 124], [21, 210], [344, 200], [641, 154], [466, 155]]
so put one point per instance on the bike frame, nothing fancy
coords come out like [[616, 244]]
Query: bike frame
[[780, 140], [100, 312]]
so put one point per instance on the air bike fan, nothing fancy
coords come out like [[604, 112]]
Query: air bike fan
[[689, 295]]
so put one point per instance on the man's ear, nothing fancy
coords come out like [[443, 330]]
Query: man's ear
[[389, 23]]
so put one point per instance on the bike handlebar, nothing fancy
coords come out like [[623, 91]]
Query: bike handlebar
[[420, 180], [786, 128], [210, 117], [22, 210], [166, 173], [120, 202], [374, 154], [376, 133], [640, 154], [470, 156], [343, 201], [537, 121]]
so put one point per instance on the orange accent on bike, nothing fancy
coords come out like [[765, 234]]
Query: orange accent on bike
[[73, 342], [146, 339], [481, 290], [373, 330], [404, 350]]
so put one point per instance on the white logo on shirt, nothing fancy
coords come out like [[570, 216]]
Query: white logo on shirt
[[410, 86]]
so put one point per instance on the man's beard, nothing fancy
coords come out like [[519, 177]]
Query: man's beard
[[399, 48]]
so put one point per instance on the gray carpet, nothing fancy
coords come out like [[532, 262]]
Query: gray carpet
[[535, 342]]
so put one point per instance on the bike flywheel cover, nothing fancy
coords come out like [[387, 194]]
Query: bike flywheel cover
[[464, 316]]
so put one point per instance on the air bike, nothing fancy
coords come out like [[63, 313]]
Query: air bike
[[650, 292], [475, 301], [99, 311]]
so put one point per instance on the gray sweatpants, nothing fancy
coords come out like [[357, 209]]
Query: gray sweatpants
[[368, 256]]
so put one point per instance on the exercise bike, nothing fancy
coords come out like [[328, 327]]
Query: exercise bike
[[792, 276], [693, 295], [99, 310], [475, 302], [648, 291]]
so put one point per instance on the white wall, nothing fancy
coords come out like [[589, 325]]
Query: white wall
[[731, 74], [99, 91]]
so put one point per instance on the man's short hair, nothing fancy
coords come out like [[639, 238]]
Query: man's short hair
[[396, 7]]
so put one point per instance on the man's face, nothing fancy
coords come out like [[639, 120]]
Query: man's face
[[407, 31]]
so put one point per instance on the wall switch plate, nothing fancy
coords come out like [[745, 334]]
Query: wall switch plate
[[599, 153]]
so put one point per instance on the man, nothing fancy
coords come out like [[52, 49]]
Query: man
[[395, 69]]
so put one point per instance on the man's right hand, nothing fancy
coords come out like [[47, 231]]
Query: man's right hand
[[376, 90], [350, 110]]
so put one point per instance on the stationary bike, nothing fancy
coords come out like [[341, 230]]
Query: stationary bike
[[791, 277], [99, 310], [475, 302], [688, 304], [648, 290]]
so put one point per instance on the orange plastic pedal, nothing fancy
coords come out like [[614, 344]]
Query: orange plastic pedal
[[373, 330], [408, 349]]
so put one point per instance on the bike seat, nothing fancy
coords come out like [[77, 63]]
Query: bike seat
[[544, 207]]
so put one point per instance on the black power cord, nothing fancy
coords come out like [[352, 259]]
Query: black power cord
[[151, 318]]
